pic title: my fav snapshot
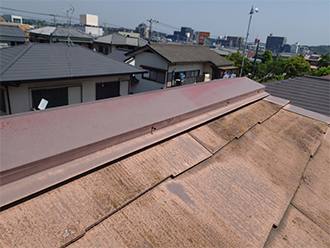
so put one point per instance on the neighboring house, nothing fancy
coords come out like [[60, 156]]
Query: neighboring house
[[109, 43], [120, 54], [60, 34], [312, 60], [12, 35], [217, 164], [60, 73], [308, 92], [176, 64]]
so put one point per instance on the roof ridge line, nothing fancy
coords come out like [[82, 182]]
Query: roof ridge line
[[20, 54]]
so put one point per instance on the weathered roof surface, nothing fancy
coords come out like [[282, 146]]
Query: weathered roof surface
[[118, 39], [37, 61], [182, 53], [243, 178], [311, 93], [138, 115]]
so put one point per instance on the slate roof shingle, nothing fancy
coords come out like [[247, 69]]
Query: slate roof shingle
[[308, 92], [118, 39], [12, 31], [182, 53], [61, 32], [40, 61]]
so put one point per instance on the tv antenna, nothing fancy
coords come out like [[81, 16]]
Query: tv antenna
[[67, 15]]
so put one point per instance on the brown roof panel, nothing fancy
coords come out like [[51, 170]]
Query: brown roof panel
[[67, 211], [218, 133], [229, 200], [297, 230], [313, 195]]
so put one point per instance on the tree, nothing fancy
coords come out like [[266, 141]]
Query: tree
[[322, 71], [324, 61], [298, 67], [236, 58], [267, 57]]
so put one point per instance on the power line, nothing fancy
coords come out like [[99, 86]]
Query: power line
[[30, 12]]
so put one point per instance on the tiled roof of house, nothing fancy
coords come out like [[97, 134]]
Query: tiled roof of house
[[37, 61], [119, 54], [12, 33], [182, 53], [311, 93], [61, 32], [229, 166], [118, 39]]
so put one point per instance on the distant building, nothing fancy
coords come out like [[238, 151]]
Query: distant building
[[184, 34], [313, 60], [89, 20], [13, 18], [275, 43], [294, 48], [231, 41], [89, 25], [143, 30]]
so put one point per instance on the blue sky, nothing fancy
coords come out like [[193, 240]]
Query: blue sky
[[306, 22]]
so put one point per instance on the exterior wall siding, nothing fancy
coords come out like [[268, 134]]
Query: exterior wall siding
[[21, 99], [152, 60]]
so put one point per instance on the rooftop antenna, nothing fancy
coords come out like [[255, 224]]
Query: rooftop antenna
[[69, 23], [67, 15]]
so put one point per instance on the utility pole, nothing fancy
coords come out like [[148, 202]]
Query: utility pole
[[255, 58], [247, 35], [150, 32], [54, 15]]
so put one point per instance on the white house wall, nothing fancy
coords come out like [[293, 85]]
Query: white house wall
[[152, 60], [208, 72], [21, 100]]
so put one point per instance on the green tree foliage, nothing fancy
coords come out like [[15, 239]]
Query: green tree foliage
[[236, 58], [298, 67], [322, 71], [324, 61], [280, 68], [267, 57]]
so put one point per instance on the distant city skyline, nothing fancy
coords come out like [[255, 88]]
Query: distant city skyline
[[306, 22]]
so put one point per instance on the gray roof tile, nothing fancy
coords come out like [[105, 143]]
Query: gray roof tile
[[181, 53], [36, 61], [12, 31], [311, 93], [61, 32]]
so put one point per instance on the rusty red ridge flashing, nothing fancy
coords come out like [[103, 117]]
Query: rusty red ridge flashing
[[38, 141]]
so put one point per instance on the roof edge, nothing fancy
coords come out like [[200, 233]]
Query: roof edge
[[308, 113]]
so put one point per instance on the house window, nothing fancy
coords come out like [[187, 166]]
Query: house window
[[56, 96], [2, 101], [107, 90], [154, 74]]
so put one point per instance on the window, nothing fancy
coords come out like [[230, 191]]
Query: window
[[154, 74], [107, 90], [56, 96], [2, 101]]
